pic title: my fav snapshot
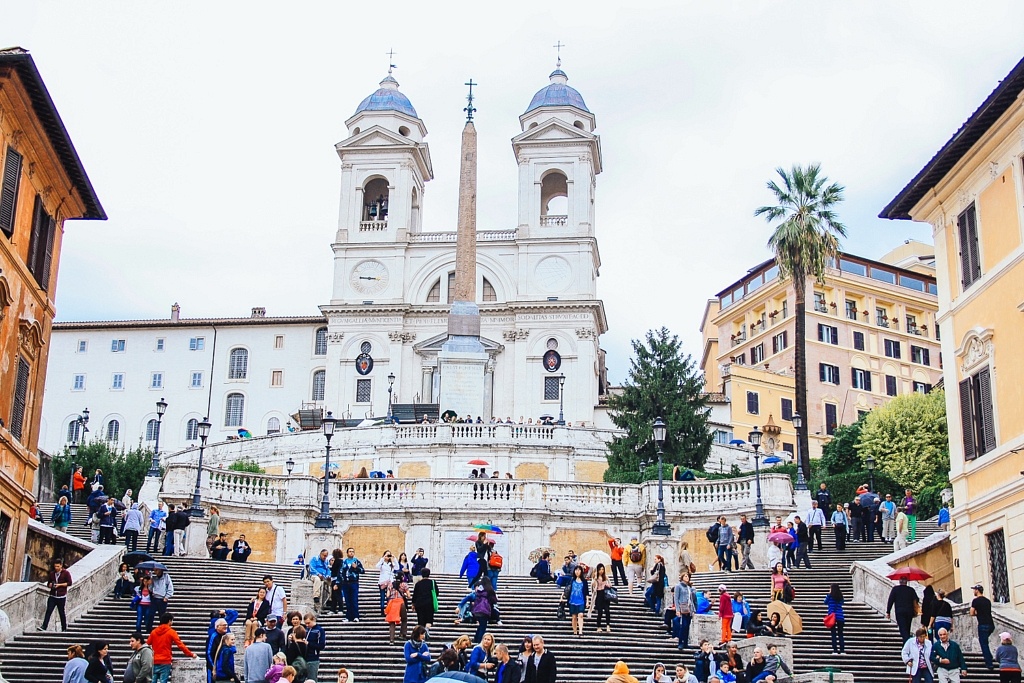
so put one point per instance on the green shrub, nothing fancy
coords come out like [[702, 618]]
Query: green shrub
[[246, 465]]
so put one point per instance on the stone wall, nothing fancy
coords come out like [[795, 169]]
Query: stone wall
[[261, 536], [531, 470], [590, 471], [42, 544], [413, 470], [370, 543], [580, 540]]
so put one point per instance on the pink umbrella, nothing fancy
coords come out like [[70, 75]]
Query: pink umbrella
[[780, 537]]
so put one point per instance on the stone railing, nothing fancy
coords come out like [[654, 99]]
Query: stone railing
[[373, 226], [554, 219], [362, 496], [481, 236]]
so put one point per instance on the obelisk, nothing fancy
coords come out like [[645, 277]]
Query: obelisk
[[462, 358]]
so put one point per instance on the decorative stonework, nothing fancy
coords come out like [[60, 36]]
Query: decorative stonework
[[586, 333], [30, 337], [515, 335], [976, 350], [404, 337], [6, 298], [993, 169], [335, 337], [963, 198]]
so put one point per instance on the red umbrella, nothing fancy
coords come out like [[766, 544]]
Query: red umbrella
[[478, 461], [910, 574], [780, 537]]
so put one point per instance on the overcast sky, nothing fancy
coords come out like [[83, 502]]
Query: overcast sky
[[208, 131]]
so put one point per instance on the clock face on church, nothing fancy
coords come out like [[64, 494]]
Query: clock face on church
[[553, 274], [369, 277]]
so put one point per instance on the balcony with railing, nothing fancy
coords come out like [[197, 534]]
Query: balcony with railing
[[373, 226], [554, 220], [481, 236]]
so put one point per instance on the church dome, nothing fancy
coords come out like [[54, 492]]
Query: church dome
[[388, 98], [557, 94]]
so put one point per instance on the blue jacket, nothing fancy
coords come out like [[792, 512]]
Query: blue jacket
[[418, 563], [319, 567], [469, 565], [944, 516], [477, 657], [61, 514], [316, 641], [834, 607], [416, 654], [226, 663]]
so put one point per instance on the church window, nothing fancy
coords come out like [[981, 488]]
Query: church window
[[273, 426], [363, 387], [152, 427], [234, 410], [192, 430], [321, 342], [552, 344], [238, 364], [403, 131], [434, 295], [113, 430], [375, 198], [578, 124], [319, 384], [554, 199], [365, 347], [488, 291], [551, 388], [74, 431], [451, 287]]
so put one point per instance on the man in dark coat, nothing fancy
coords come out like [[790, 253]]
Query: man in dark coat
[[508, 668], [541, 666], [240, 553], [902, 600]]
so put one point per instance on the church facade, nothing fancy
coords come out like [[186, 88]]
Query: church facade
[[380, 333]]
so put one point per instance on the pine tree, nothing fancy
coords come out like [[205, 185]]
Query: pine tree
[[663, 382]]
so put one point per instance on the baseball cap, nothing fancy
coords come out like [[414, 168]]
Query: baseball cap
[[977, 587], [271, 618], [1005, 635]]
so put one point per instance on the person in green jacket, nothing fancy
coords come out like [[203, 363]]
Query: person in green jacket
[[948, 658]]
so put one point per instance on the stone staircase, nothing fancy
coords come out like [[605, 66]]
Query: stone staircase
[[872, 643], [204, 585]]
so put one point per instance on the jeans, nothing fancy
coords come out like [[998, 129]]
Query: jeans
[[153, 540], [383, 598], [169, 543], [618, 569], [131, 540], [312, 668], [123, 587], [481, 629], [351, 592], [724, 558], [838, 641], [923, 675], [53, 603], [159, 606], [903, 621], [801, 555], [492, 574], [984, 632], [161, 672], [143, 618], [682, 626], [107, 535]]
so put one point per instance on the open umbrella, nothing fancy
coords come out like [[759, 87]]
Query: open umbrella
[[473, 538], [592, 558], [133, 559], [772, 460], [461, 676], [910, 574], [489, 528], [737, 442], [478, 461], [780, 537], [151, 564], [788, 617]]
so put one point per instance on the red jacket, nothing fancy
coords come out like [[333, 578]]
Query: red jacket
[[160, 640], [78, 482], [617, 550], [725, 606]]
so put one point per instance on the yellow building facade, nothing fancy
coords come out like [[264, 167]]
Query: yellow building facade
[[972, 193], [870, 336], [42, 184]]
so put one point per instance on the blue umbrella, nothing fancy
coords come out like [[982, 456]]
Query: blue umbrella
[[772, 460], [149, 564], [737, 442], [461, 676]]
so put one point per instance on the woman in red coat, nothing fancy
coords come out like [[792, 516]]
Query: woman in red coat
[[78, 485]]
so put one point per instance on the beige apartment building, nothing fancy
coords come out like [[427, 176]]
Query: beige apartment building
[[871, 335]]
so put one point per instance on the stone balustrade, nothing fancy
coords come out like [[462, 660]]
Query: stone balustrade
[[481, 236]]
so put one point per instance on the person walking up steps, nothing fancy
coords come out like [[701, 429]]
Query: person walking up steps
[[746, 542], [981, 609], [910, 507], [636, 560], [834, 603], [58, 582], [161, 640], [1008, 658]]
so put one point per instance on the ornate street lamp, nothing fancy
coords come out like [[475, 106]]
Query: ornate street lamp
[[760, 519], [391, 417], [801, 483], [870, 463], [661, 527], [561, 400], [204, 433], [82, 421], [289, 465], [324, 519], [154, 467]]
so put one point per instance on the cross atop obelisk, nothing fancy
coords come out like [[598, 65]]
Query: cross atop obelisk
[[465, 241]]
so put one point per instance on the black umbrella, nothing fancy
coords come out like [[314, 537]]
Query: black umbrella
[[151, 564], [461, 676], [118, 505], [133, 559]]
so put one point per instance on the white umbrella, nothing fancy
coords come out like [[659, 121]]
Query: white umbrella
[[592, 558]]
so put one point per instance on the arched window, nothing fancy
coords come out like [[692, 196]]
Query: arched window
[[554, 199], [192, 430], [434, 295], [451, 288], [320, 347], [273, 426], [74, 431], [238, 364], [152, 427], [113, 430], [234, 410], [488, 293], [319, 382], [375, 196]]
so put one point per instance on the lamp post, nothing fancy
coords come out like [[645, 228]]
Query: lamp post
[[801, 483], [289, 465], [204, 433], [391, 416], [661, 527], [561, 400], [870, 463], [760, 519], [82, 420], [154, 467], [324, 519]]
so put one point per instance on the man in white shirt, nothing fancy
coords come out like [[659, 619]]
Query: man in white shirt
[[815, 522], [276, 597]]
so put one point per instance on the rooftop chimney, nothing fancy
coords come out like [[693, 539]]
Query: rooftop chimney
[[175, 312], [259, 312]]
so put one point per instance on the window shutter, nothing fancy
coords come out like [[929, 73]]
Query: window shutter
[[43, 275], [775, 344], [853, 377], [926, 357], [988, 423], [867, 380], [821, 371], [821, 332], [785, 339], [972, 242], [967, 419], [20, 399], [9, 191]]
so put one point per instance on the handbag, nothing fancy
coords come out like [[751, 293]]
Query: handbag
[[830, 621], [611, 595], [433, 593], [693, 568], [393, 611]]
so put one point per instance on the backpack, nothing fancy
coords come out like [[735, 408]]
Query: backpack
[[533, 572], [635, 556], [712, 532], [482, 607], [495, 561]]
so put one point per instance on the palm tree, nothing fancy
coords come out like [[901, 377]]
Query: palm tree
[[805, 242]]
